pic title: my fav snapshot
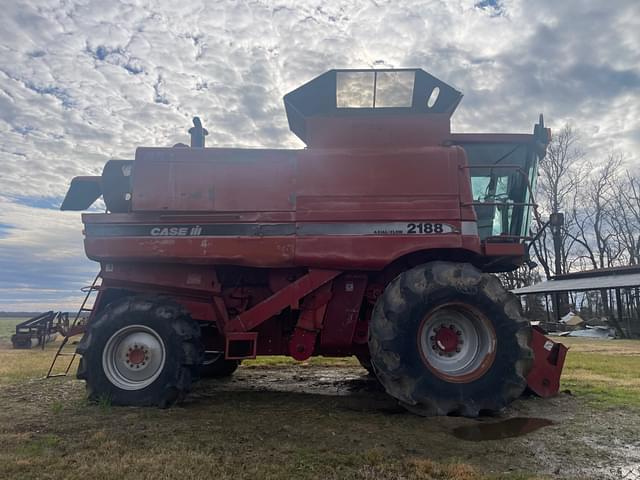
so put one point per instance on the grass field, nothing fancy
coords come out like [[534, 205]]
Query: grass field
[[256, 426], [605, 372], [8, 328]]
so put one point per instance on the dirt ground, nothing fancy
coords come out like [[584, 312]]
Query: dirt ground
[[309, 420], [581, 442]]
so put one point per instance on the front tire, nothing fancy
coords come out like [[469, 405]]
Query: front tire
[[140, 351], [446, 338]]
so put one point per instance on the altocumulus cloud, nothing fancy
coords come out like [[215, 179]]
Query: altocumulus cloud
[[82, 82]]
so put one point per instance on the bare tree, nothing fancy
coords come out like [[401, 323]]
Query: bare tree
[[594, 212], [626, 216], [601, 203], [560, 173]]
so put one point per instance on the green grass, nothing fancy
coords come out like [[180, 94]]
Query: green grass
[[20, 365], [8, 328], [607, 372]]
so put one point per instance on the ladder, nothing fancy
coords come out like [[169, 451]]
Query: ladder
[[74, 329]]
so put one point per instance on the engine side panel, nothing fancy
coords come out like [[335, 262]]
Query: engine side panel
[[274, 208], [207, 180]]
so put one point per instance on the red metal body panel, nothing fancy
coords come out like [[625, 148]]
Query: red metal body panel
[[378, 132], [208, 180], [549, 356], [372, 253], [277, 252], [381, 176], [424, 184], [189, 279], [343, 313]]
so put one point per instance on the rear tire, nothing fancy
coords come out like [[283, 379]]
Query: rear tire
[[365, 362], [214, 365], [446, 338], [140, 351]]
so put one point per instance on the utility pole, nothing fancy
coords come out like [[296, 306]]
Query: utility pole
[[556, 221]]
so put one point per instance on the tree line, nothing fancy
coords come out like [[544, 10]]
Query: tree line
[[599, 199]]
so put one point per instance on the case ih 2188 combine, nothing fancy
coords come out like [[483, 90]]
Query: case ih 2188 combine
[[377, 240]]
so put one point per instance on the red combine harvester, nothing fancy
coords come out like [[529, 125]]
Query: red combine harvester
[[377, 240]]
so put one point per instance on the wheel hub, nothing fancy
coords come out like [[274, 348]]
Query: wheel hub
[[446, 339], [137, 356], [133, 357], [457, 342]]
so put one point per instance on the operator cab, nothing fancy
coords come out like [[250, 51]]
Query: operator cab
[[503, 170]]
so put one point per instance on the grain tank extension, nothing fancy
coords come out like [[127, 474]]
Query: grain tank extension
[[378, 240]]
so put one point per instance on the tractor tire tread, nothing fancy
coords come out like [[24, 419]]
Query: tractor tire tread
[[156, 310], [391, 317]]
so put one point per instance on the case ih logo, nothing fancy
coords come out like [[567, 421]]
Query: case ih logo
[[176, 231]]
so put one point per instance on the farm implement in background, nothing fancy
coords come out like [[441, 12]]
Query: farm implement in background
[[40, 330]]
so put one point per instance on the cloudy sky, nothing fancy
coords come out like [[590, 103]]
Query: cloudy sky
[[85, 81]]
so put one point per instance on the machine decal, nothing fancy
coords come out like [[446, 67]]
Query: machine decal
[[386, 228], [190, 230], [176, 231], [269, 229], [429, 228]]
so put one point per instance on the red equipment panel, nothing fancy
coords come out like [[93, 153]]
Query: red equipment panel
[[293, 209], [250, 251], [549, 356], [205, 180], [421, 172], [343, 312]]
